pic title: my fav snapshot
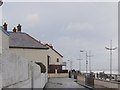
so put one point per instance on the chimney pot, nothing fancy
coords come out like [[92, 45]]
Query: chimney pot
[[19, 28], [5, 26], [14, 29]]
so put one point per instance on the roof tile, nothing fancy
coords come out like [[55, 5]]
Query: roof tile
[[23, 40]]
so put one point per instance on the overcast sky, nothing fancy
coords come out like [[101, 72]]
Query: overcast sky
[[69, 27]]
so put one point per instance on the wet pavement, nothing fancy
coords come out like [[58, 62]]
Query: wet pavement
[[64, 83]]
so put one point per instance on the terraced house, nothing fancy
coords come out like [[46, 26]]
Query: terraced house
[[33, 50]]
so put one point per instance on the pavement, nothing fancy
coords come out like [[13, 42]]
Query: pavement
[[63, 83]]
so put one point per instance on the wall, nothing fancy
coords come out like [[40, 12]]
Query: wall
[[4, 43], [4, 40], [99, 83], [36, 55], [0, 41], [14, 68], [35, 79], [17, 70], [53, 57], [58, 75]]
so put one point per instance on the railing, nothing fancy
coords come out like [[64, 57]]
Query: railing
[[51, 71], [103, 76], [62, 71], [59, 71]]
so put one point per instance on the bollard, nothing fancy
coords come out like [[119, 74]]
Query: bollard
[[70, 73], [75, 75]]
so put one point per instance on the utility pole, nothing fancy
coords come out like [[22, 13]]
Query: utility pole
[[90, 60], [86, 61], [79, 64], [80, 60], [110, 49], [71, 65], [86, 64]]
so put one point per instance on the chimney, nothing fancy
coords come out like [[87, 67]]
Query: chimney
[[19, 28], [14, 29], [5, 26]]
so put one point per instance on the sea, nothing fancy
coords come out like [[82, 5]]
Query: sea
[[106, 72]]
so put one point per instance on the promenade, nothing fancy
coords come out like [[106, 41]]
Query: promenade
[[64, 83]]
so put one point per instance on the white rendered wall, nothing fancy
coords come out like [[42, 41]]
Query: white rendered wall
[[53, 57], [36, 55], [15, 67]]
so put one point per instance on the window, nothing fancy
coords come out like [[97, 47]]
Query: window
[[57, 59]]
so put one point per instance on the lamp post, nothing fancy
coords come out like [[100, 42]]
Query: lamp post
[[110, 49], [80, 60], [70, 64], [86, 61], [79, 64], [90, 61]]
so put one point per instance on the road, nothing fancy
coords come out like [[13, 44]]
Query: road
[[64, 83]]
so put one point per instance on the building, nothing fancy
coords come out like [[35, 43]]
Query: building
[[54, 60], [33, 50], [26, 46], [15, 70]]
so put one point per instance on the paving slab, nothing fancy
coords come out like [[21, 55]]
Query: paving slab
[[64, 83]]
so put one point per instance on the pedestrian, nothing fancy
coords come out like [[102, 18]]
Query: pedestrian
[[97, 75]]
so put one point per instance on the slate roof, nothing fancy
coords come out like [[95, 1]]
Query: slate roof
[[23, 40]]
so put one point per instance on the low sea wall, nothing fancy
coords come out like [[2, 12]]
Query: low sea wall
[[99, 83]]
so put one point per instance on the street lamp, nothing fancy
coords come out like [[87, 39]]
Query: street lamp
[[70, 64], [110, 49], [80, 60], [79, 64], [86, 61], [90, 61]]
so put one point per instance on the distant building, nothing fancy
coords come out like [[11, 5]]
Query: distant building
[[54, 60]]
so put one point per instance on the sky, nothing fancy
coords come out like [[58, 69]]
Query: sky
[[70, 27]]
